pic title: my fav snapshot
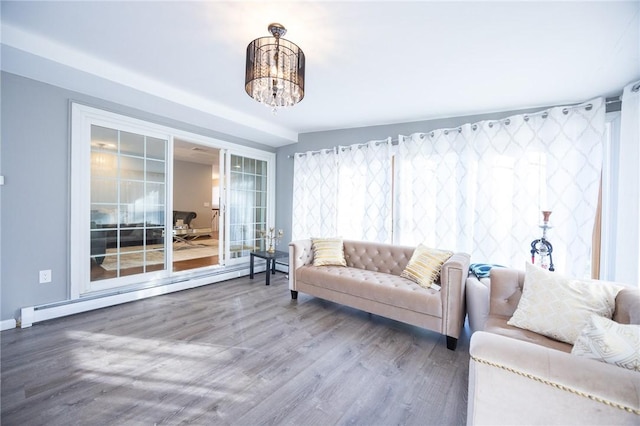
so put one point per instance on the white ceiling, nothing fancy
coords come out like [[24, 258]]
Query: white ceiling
[[368, 63], [195, 153]]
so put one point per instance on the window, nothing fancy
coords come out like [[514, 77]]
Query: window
[[479, 188]]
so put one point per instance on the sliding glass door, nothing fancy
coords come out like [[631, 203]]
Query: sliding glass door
[[247, 206], [128, 203], [123, 188]]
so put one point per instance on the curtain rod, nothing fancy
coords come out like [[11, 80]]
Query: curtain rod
[[474, 126]]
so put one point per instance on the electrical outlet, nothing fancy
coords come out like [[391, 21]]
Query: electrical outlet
[[45, 276]]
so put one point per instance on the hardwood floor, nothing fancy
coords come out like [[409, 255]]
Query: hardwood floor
[[237, 353], [99, 273]]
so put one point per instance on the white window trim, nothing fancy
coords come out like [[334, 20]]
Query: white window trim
[[610, 164], [271, 177]]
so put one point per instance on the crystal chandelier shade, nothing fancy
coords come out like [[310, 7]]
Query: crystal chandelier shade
[[275, 70]]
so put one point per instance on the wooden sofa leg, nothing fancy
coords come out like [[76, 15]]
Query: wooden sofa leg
[[452, 342], [294, 294]]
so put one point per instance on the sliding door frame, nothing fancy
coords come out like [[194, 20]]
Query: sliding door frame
[[82, 117]]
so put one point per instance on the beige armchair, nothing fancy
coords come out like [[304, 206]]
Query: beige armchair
[[520, 377]]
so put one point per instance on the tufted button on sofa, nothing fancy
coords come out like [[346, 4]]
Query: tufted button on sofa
[[372, 282]]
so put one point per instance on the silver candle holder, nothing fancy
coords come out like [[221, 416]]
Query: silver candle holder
[[272, 237]]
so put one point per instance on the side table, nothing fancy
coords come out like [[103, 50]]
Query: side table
[[271, 262]]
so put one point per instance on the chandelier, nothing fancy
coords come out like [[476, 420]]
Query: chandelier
[[275, 70]]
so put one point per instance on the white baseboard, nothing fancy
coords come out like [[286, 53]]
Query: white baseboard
[[33, 314], [282, 268], [7, 324]]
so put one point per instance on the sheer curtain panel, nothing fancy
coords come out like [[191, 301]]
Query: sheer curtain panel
[[480, 188], [315, 185], [364, 191]]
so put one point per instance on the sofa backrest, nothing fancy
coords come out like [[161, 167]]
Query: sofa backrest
[[507, 285], [378, 257], [505, 292]]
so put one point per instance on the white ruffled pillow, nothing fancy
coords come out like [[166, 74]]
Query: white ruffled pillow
[[559, 307], [608, 341]]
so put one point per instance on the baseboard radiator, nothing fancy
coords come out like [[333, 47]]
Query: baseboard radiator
[[34, 314], [7, 324]]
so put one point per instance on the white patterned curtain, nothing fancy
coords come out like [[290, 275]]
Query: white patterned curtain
[[315, 185], [345, 194], [364, 191], [480, 188]]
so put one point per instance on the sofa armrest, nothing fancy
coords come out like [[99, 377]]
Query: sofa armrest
[[300, 254], [453, 277], [477, 300], [516, 382], [627, 306]]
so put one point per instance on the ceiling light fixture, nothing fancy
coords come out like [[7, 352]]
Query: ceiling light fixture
[[275, 70]]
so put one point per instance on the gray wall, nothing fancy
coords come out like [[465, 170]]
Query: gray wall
[[191, 190], [35, 198], [328, 139]]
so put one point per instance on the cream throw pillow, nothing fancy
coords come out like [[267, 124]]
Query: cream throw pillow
[[559, 307], [607, 341], [328, 251], [424, 266]]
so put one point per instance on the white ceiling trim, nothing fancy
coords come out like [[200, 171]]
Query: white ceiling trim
[[52, 51]]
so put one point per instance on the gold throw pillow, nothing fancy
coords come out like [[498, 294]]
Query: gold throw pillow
[[425, 265], [328, 251]]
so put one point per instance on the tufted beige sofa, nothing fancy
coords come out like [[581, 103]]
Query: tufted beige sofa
[[372, 282], [517, 376]]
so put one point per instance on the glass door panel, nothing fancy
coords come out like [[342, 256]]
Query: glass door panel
[[128, 193], [247, 207]]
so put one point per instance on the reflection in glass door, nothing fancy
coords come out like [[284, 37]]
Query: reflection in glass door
[[196, 180], [128, 193]]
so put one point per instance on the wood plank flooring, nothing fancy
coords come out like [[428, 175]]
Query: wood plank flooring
[[99, 273], [231, 353]]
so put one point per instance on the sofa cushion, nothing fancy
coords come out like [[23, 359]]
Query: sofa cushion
[[559, 307], [497, 324], [425, 265], [377, 286], [328, 251], [607, 341]]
